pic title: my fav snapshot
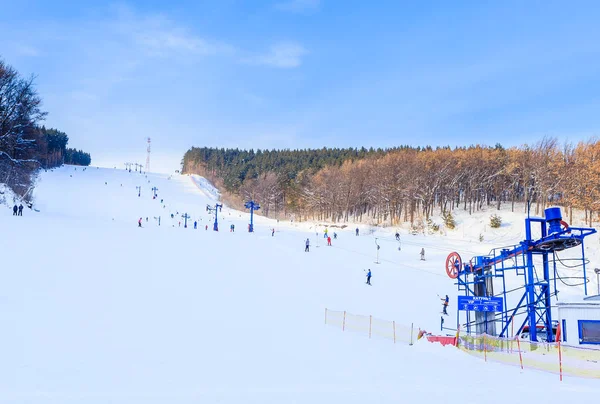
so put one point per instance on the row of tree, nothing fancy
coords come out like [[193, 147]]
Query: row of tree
[[25, 147], [404, 184], [77, 157]]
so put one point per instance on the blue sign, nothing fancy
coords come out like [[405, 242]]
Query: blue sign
[[480, 303]]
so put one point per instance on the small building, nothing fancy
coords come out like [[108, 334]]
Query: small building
[[580, 321]]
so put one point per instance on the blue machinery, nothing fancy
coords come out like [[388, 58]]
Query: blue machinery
[[216, 209], [252, 206], [475, 278]]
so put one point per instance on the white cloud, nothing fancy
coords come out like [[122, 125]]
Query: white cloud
[[28, 50], [158, 35], [298, 6], [163, 41], [284, 55]]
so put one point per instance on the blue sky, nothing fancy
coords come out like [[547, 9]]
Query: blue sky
[[306, 73]]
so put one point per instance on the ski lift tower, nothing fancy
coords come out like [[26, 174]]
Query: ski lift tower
[[216, 208], [252, 206], [476, 278], [185, 218]]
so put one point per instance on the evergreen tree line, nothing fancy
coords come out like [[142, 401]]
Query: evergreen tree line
[[77, 157], [25, 147], [405, 184]]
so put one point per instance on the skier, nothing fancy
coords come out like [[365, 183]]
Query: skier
[[397, 236], [140, 222], [334, 235], [20, 209], [195, 225], [307, 248], [369, 277], [422, 254], [329, 241], [272, 232], [206, 228], [146, 219], [357, 231], [15, 208], [233, 228], [325, 235], [445, 304]]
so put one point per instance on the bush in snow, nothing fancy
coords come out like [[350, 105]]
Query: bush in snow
[[432, 226], [449, 220], [495, 221]]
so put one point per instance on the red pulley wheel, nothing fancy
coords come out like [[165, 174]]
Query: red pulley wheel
[[453, 265]]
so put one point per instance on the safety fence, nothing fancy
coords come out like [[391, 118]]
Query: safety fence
[[370, 325], [549, 357]]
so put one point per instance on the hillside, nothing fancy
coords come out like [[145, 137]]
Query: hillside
[[96, 309]]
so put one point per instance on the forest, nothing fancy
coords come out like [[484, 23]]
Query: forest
[[390, 186], [25, 146]]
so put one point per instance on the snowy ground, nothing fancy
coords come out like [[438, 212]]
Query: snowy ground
[[97, 310]]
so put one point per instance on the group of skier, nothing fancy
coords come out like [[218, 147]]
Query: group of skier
[[18, 210]]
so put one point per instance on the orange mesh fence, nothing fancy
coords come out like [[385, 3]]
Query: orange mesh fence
[[573, 361], [576, 361], [371, 326]]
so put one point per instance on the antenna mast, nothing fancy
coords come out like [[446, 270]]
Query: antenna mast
[[148, 157]]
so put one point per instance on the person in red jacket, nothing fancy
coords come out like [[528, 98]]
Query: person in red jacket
[[140, 222], [328, 240]]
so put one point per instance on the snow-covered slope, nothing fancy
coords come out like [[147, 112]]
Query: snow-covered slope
[[96, 310]]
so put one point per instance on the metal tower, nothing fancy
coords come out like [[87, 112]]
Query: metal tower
[[216, 209], [475, 278], [252, 206], [148, 157]]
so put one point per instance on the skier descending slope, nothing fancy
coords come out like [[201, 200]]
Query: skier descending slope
[[445, 304], [369, 278], [307, 248]]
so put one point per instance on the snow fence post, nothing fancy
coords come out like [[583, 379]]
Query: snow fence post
[[519, 348], [558, 337], [484, 349], [512, 331], [411, 334], [457, 336], [394, 326], [370, 322], [344, 321]]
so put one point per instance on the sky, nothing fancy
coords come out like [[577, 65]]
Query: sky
[[306, 73]]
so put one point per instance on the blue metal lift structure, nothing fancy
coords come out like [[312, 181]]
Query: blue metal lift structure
[[216, 209], [475, 278], [252, 206]]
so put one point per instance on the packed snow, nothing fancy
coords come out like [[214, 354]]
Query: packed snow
[[97, 310]]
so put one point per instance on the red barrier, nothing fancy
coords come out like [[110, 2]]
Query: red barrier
[[444, 340]]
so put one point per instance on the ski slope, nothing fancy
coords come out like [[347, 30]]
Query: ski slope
[[97, 310]]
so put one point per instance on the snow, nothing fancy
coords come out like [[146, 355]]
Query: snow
[[96, 310]]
